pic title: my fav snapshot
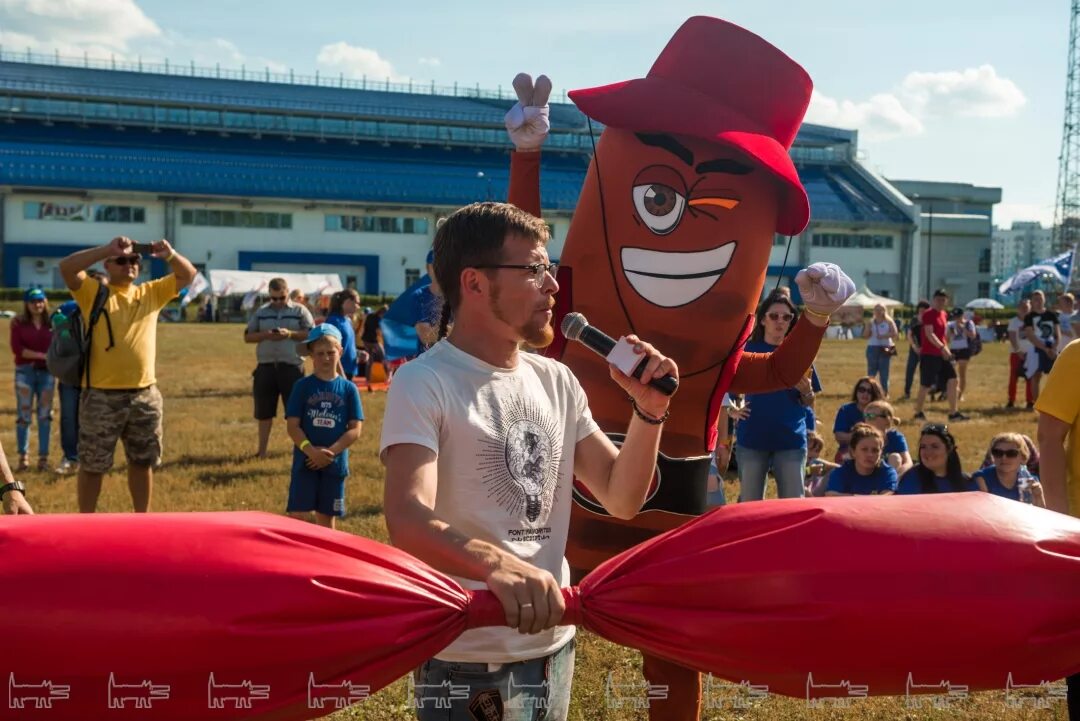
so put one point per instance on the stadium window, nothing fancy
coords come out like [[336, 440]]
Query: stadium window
[[412, 275], [31, 211], [202, 217], [186, 217], [237, 219], [285, 221]]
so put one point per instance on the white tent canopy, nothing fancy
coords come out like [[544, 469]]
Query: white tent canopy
[[865, 298], [243, 282]]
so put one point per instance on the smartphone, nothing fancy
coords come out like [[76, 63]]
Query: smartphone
[[142, 248]]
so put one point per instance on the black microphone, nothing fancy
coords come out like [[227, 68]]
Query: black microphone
[[576, 327]]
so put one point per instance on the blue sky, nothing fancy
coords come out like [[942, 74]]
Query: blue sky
[[952, 90]]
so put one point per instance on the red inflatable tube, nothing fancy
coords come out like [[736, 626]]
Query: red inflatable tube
[[243, 615]]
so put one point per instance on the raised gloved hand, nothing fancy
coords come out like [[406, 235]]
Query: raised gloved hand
[[527, 122], [824, 287]]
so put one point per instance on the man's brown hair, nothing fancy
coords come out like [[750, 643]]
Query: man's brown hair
[[278, 284]]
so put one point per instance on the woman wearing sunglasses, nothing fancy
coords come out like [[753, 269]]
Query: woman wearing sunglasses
[[1009, 477], [773, 434], [938, 469], [867, 390]]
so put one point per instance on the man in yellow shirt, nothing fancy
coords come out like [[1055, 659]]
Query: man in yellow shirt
[[121, 400], [1059, 449]]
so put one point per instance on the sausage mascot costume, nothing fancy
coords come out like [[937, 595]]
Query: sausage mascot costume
[[689, 183]]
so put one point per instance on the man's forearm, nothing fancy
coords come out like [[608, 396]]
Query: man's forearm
[[83, 259], [418, 532], [632, 471], [182, 268], [1052, 475]]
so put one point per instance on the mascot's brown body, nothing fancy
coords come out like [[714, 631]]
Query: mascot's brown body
[[670, 240]]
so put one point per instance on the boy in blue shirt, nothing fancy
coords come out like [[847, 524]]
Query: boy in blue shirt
[[324, 417]]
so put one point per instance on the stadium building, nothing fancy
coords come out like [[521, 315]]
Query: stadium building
[[256, 171]]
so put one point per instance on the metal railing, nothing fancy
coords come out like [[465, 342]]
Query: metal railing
[[190, 69]]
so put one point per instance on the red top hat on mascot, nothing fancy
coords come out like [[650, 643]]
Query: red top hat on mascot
[[723, 84]]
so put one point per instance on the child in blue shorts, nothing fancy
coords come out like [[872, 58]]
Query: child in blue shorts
[[324, 416]]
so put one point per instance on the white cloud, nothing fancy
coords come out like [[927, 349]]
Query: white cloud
[[973, 92], [881, 117], [355, 62], [205, 53], [98, 27], [920, 98], [430, 62]]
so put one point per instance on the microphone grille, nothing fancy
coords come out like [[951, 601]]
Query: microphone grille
[[573, 324]]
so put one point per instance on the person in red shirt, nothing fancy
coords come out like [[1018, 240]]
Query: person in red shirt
[[935, 358], [30, 337]]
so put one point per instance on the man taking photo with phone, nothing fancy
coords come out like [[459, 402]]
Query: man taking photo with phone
[[120, 399]]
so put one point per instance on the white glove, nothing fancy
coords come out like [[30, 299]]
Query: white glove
[[824, 287], [527, 122]]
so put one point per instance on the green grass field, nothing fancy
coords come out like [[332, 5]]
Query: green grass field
[[205, 376]]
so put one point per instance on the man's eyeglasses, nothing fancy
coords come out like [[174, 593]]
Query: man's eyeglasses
[[786, 317], [1006, 453], [127, 260], [539, 270]]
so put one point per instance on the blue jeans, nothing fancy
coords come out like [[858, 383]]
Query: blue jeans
[[33, 385], [69, 421], [877, 364], [455, 691], [788, 466]]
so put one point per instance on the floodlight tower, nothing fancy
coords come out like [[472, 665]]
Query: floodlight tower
[[1067, 202]]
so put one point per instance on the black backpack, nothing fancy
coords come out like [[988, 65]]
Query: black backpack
[[68, 357]]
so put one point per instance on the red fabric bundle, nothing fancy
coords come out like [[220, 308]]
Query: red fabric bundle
[[249, 615]]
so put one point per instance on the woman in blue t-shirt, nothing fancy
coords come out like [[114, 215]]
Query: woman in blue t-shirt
[[938, 469], [1009, 476], [773, 435], [867, 390], [865, 474], [343, 307]]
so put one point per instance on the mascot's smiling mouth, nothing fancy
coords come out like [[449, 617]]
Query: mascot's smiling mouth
[[673, 279]]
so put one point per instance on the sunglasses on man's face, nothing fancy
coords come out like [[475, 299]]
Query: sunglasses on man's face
[[278, 298], [786, 317], [127, 260], [1003, 452]]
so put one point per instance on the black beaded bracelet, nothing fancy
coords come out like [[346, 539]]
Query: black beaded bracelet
[[647, 418]]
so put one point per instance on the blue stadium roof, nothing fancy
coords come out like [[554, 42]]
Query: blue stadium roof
[[91, 83]]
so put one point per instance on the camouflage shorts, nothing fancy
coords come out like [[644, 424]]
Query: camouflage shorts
[[107, 416]]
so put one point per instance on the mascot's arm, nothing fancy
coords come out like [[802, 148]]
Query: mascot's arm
[[765, 372], [525, 181], [528, 126]]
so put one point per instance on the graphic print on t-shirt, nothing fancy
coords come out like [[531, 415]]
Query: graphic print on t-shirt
[[520, 456]]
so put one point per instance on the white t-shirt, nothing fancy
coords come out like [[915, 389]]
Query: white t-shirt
[[1016, 325], [959, 329], [879, 334], [505, 441], [1067, 334]]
